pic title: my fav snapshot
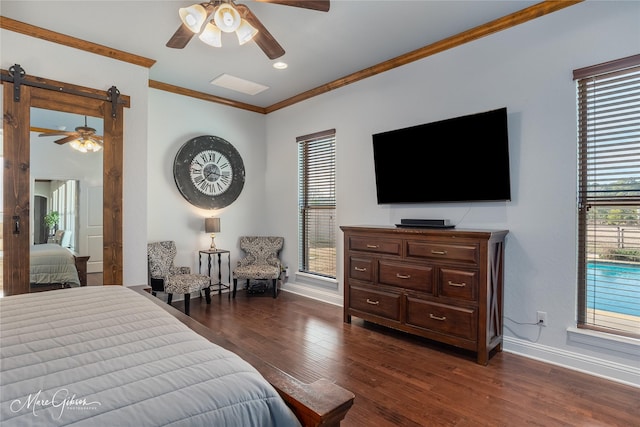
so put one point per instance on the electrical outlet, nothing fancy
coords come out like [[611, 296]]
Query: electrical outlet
[[542, 318]]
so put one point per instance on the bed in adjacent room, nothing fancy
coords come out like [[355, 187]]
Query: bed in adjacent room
[[50, 264], [111, 355]]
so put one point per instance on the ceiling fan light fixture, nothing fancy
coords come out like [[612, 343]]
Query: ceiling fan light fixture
[[193, 17], [85, 145], [77, 145], [245, 32], [96, 147], [227, 18], [211, 35]]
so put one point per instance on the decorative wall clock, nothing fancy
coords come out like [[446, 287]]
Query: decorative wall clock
[[209, 172]]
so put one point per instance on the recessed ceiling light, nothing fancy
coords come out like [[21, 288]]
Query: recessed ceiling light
[[280, 65]]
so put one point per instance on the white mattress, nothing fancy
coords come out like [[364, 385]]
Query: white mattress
[[107, 356]]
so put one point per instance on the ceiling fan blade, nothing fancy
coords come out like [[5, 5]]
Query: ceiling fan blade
[[183, 34], [321, 5], [67, 139], [180, 38], [56, 133], [264, 39]]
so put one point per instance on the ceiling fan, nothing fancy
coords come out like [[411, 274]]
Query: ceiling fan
[[83, 139], [263, 38]]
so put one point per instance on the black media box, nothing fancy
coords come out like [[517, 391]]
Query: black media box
[[426, 223]]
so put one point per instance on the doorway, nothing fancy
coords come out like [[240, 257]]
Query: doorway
[[39, 227]]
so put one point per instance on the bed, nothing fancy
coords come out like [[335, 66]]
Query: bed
[[51, 263], [111, 355]]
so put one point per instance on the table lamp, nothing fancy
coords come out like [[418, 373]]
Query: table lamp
[[212, 225]]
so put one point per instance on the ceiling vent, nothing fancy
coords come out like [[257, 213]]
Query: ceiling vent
[[239, 85]]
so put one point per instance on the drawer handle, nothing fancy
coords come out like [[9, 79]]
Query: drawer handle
[[372, 302], [373, 246], [457, 285], [434, 317], [439, 252], [403, 276], [359, 269]]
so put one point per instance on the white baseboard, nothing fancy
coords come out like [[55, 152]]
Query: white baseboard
[[324, 295], [574, 361]]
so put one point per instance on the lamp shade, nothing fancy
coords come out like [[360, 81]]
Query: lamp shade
[[212, 225], [227, 18], [211, 35], [193, 17], [245, 32]]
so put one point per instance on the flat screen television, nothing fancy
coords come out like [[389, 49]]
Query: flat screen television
[[454, 160]]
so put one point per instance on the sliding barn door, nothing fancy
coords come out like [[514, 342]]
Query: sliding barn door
[[47, 94]]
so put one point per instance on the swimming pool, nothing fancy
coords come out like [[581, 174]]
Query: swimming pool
[[618, 287]]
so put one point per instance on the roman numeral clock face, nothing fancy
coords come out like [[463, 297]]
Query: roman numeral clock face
[[209, 172]]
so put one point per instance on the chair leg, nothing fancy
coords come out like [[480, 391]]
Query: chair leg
[[169, 298], [207, 294], [235, 285], [275, 288], [187, 300]]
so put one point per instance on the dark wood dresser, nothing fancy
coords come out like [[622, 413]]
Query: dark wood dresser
[[442, 284]]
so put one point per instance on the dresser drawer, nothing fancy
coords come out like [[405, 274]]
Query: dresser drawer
[[380, 303], [373, 244], [455, 321], [361, 269], [408, 276], [441, 251], [461, 284]]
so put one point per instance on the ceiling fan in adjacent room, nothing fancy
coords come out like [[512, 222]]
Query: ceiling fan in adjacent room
[[227, 16], [83, 139]]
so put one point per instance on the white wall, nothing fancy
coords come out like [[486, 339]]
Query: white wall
[[57, 62], [528, 69], [173, 120]]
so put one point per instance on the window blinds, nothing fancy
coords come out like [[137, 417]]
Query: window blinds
[[609, 196], [317, 203]]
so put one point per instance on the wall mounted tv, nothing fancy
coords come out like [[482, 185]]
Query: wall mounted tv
[[459, 159]]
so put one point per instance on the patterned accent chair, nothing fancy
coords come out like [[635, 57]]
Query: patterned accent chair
[[164, 276], [261, 261]]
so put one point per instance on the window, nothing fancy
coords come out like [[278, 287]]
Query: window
[[317, 203], [609, 196], [64, 200]]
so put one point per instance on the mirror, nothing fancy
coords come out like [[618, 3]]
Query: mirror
[[56, 209], [69, 182], [59, 96]]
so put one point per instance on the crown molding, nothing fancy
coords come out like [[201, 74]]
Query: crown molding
[[508, 21], [63, 39]]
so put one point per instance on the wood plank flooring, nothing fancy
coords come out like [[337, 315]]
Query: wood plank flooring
[[400, 380]]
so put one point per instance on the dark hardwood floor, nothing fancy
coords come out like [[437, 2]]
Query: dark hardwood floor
[[400, 380]]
